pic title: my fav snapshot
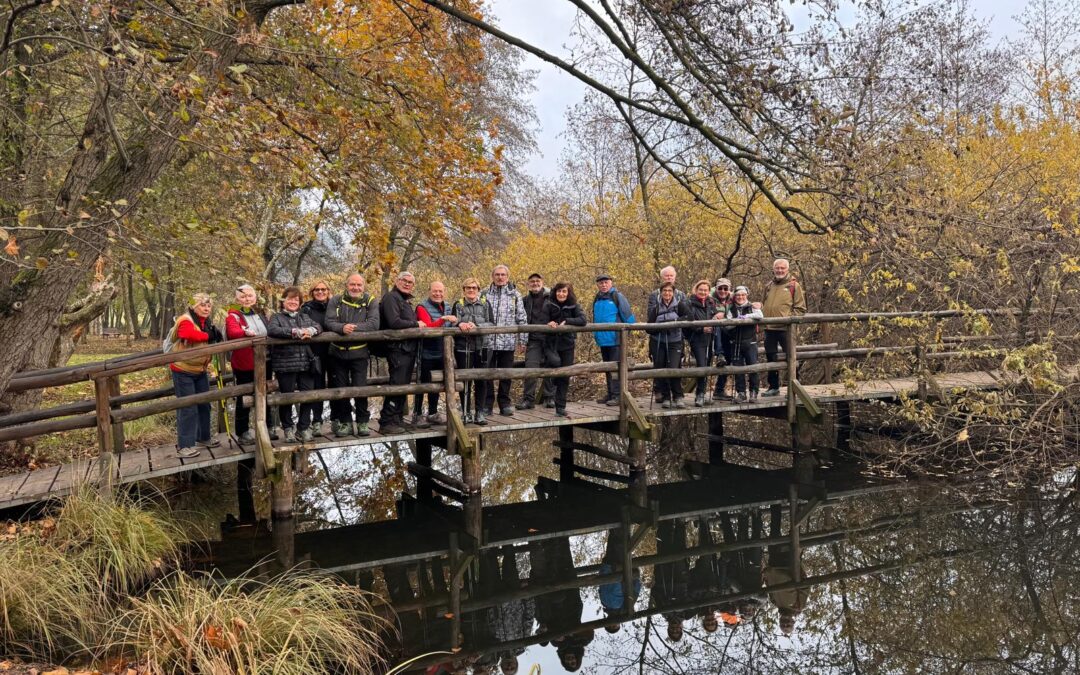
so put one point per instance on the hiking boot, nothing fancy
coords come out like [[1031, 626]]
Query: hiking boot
[[665, 403], [420, 422], [306, 436], [391, 427], [741, 398], [612, 402], [507, 411], [362, 429], [771, 392], [247, 438], [551, 404], [188, 453], [342, 429], [480, 418], [290, 435], [526, 405], [275, 433], [601, 401], [723, 396], [680, 403], [560, 412], [753, 397], [212, 443], [699, 400], [467, 418], [436, 418]]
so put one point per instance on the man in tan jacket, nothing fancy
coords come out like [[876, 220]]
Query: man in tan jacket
[[784, 297]]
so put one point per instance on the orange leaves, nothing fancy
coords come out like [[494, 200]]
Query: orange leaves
[[12, 248]]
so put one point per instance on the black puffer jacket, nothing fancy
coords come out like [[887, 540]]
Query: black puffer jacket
[[317, 311], [363, 312], [573, 316], [699, 311], [293, 358], [479, 313], [396, 312]]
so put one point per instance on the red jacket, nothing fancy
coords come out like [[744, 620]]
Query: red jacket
[[190, 333], [242, 359]]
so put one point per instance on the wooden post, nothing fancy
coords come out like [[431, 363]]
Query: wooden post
[[282, 492], [566, 452], [264, 457], [424, 490], [624, 381], [106, 460], [283, 535], [471, 473], [796, 550], [827, 364], [716, 438], [117, 429], [450, 387], [455, 592], [792, 369]]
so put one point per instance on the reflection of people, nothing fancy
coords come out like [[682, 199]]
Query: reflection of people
[[670, 585], [513, 619], [707, 578], [745, 565], [612, 594], [781, 570]]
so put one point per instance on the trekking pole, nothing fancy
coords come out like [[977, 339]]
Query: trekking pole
[[222, 408]]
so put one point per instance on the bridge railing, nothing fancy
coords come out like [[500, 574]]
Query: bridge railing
[[109, 408]]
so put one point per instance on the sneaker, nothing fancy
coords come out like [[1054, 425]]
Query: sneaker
[[680, 403], [526, 405], [551, 404], [699, 401], [601, 401], [486, 411], [212, 443], [391, 427], [707, 398], [480, 418], [188, 453], [753, 396], [741, 398], [612, 402], [771, 392], [665, 403], [507, 411], [342, 429], [247, 438], [467, 418], [723, 397], [561, 412], [437, 418], [420, 422], [362, 429], [290, 435], [275, 433], [306, 435]]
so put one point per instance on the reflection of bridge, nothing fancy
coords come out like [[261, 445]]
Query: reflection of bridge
[[431, 538], [634, 419]]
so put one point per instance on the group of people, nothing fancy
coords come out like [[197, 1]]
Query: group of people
[[303, 365]]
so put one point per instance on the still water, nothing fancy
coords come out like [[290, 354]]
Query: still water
[[882, 576]]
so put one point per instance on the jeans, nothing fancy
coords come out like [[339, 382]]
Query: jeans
[[427, 366], [699, 348], [499, 358], [775, 340], [668, 355], [348, 373], [192, 422], [745, 354], [288, 383], [534, 358], [400, 364], [608, 354], [474, 392]]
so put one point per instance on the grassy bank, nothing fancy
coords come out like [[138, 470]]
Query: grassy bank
[[101, 584]]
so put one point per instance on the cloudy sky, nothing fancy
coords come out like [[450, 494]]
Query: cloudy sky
[[548, 23]]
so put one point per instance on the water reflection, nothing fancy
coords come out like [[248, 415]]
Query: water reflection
[[729, 568]]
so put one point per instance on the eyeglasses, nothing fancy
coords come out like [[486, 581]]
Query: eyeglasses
[[723, 288], [320, 290], [470, 288], [407, 282]]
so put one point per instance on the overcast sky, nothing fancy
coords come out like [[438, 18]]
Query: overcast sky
[[547, 24]]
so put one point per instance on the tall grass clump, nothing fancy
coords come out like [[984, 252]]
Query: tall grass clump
[[48, 605], [120, 542], [294, 623]]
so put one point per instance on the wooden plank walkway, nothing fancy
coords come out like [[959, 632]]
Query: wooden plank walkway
[[57, 481]]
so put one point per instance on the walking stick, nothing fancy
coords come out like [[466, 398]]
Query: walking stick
[[221, 405]]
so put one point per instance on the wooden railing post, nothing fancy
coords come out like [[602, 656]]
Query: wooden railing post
[[106, 459], [624, 381], [450, 387], [792, 369], [265, 463], [827, 364], [117, 429]]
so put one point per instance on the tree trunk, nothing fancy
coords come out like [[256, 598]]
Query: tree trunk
[[153, 317], [129, 303]]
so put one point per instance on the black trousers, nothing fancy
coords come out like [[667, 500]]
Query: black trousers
[[745, 354], [348, 373], [400, 364], [243, 413], [668, 355], [499, 358], [727, 350], [534, 358], [427, 366], [609, 354], [472, 397], [699, 349], [562, 384], [774, 342], [321, 381], [290, 382]]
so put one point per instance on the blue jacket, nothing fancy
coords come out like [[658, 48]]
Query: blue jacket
[[610, 307]]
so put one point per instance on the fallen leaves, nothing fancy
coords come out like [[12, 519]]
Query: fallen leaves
[[12, 248]]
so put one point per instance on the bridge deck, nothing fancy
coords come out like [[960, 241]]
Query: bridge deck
[[56, 481]]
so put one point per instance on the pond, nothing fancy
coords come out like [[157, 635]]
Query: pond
[[882, 576]]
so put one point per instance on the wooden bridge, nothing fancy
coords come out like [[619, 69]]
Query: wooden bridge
[[635, 418]]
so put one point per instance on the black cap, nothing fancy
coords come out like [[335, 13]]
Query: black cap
[[535, 275], [603, 277]]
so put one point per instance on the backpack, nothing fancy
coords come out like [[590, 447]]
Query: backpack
[[168, 345]]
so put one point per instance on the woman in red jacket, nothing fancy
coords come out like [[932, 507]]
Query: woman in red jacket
[[244, 320], [193, 329]]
